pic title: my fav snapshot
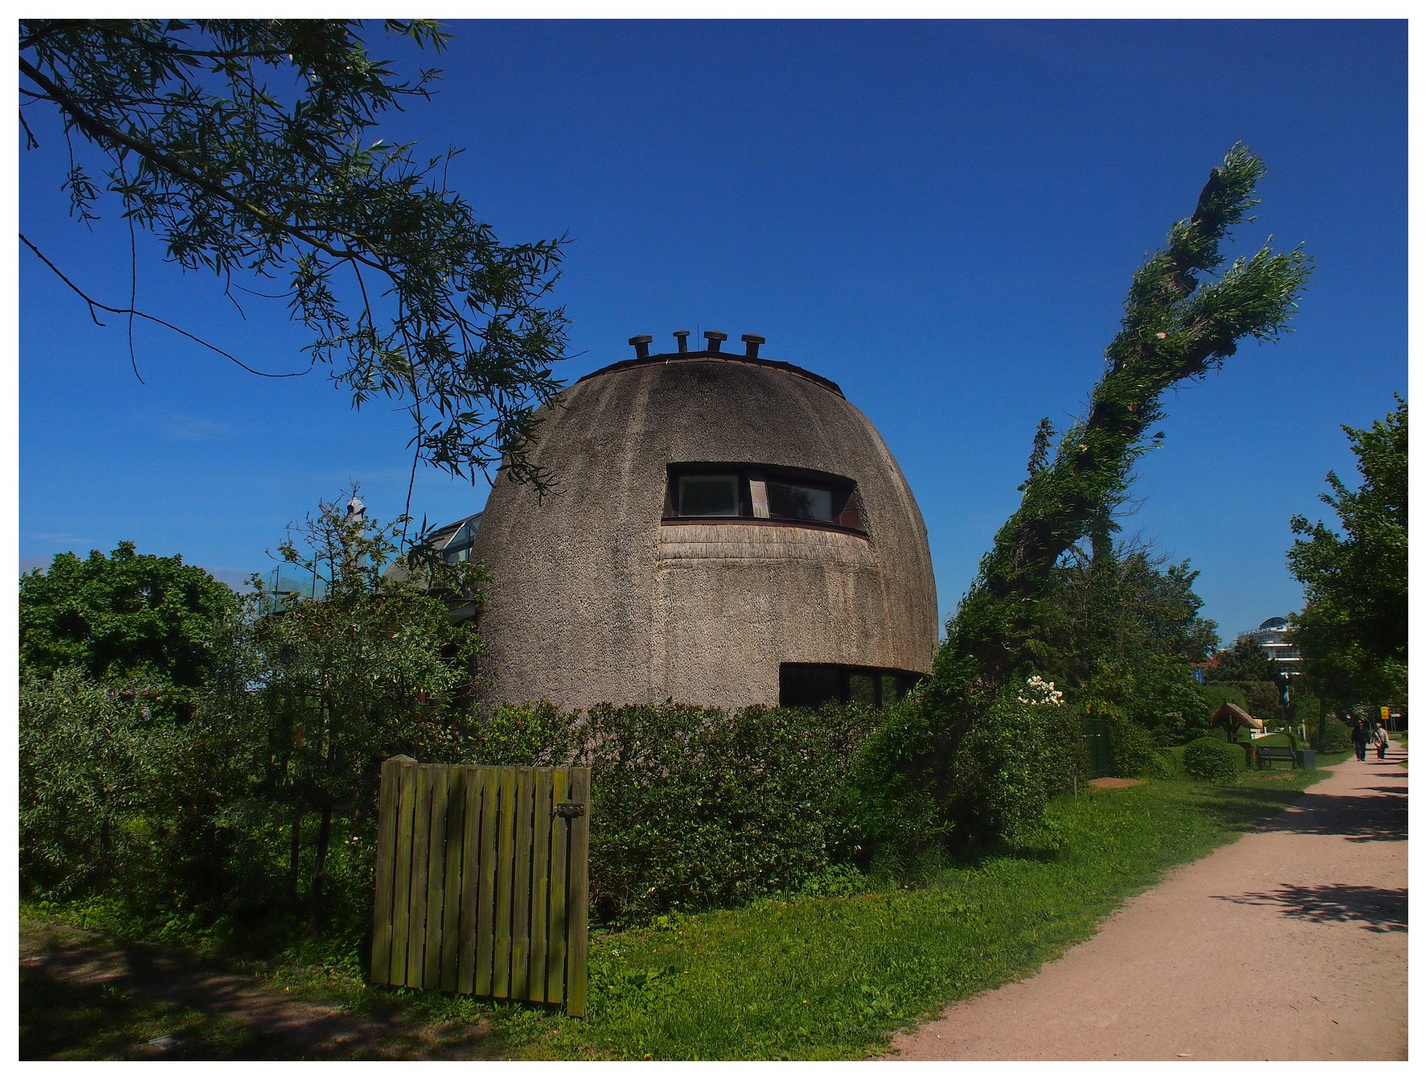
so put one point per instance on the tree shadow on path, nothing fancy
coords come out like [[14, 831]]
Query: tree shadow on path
[[1382, 911], [82, 990], [1369, 813]]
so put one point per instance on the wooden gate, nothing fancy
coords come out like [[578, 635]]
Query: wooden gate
[[483, 881]]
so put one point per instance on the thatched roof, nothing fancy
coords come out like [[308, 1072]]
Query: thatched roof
[[1231, 715]]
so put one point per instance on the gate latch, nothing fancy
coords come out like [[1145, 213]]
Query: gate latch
[[570, 809]]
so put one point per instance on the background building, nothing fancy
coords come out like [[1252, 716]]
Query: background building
[[1273, 636]]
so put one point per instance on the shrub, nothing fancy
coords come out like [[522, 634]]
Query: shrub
[[1336, 736], [113, 800], [1013, 759], [1211, 759], [1162, 765], [1131, 747], [894, 822], [697, 808]]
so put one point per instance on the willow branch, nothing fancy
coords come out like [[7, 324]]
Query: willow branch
[[93, 303]]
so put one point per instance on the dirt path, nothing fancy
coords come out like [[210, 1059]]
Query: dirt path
[[1289, 944], [176, 976]]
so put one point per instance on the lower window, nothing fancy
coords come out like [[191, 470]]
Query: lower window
[[806, 686]]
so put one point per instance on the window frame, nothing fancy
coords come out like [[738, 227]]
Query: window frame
[[848, 516], [904, 681]]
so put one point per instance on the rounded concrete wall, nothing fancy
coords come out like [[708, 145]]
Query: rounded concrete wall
[[594, 598]]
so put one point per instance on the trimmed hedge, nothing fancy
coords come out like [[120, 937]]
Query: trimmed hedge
[[1213, 759], [1132, 749], [696, 808]]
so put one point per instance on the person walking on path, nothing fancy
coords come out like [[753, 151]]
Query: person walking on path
[[1379, 739], [1288, 944], [1360, 740]]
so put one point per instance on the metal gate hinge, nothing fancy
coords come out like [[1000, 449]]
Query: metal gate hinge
[[570, 809]]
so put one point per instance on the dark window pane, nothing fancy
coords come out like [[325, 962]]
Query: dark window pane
[[889, 689], [862, 688], [801, 501], [806, 686], [708, 496]]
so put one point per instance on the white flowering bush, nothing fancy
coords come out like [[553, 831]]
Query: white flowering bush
[[1040, 692]]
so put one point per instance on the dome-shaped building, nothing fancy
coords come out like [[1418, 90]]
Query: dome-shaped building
[[723, 530]]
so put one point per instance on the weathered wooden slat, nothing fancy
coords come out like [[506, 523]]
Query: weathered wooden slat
[[577, 975], [451, 893], [541, 812], [482, 883], [485, 898], [470, 879], [420, 844], [504, 886], [439, 780], [559, 851], [401, 889], [520, 894], [385, 871]]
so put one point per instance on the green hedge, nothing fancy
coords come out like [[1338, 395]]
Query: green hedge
[[1212, 759], [1132, 749], [696, 808]]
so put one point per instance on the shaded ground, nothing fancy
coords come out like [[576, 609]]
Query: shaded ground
[[1289, 944], [84, 996]]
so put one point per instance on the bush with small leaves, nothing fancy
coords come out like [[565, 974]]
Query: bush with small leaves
[[1211, 759], [697, 808], [1336, 736], [1132, 748], [1161, 766], [1012, 761]]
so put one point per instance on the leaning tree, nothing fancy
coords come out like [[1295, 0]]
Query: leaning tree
[[1185, 315]]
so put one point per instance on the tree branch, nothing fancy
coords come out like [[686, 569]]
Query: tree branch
[[99, 131], [151, 318]]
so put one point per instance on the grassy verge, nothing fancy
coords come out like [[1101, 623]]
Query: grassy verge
[[833, 977], [805, 977]]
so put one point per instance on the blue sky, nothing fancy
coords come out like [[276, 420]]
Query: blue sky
[[942, 217]]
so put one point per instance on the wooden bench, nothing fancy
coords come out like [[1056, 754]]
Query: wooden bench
[[1266, 755]]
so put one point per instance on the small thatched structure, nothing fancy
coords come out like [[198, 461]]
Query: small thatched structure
[[725, 531], [1231, 716]]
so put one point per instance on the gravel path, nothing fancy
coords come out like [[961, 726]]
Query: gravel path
[[1288, 944]]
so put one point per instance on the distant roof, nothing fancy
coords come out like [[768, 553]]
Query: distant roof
[[1273, 624], [439, 538]]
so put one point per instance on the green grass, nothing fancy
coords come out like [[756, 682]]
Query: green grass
[[833, 977], [800, 977]]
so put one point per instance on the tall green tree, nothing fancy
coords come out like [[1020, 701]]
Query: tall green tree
[[1122, 635], [1352, 630], [1360, 574], [1245, 662], [125, 617], [1185, 315], [245, 147]]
